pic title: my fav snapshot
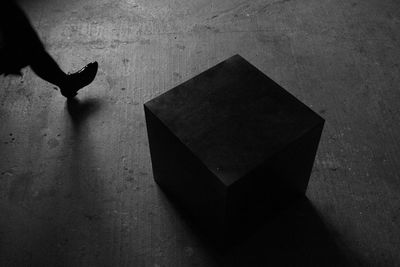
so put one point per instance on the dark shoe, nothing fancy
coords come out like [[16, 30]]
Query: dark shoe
[[79, 79]]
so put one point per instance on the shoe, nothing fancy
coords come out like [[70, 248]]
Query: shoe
[[76, 81]]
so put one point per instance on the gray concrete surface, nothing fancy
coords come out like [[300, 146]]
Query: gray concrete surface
[[79, 192]]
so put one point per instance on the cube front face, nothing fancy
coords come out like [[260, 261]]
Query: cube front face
[[183, 177], [231, 137]]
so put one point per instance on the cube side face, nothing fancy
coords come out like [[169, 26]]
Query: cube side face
[[183, 177], [275, 184], [293, 164]]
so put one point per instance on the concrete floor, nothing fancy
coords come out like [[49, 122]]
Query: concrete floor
[[79, 191]]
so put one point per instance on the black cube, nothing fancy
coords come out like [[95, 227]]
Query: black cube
[[230, 145]]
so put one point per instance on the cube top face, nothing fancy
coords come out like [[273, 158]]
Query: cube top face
[[233, 118]]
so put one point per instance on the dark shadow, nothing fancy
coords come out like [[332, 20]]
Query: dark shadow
[[77, 235], [80, 110], [85, 188], [294, 236]]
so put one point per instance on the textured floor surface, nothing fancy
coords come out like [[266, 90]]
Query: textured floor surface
[[79, 191]]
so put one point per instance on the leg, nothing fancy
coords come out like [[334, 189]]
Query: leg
[[44, 66], [25, 48]]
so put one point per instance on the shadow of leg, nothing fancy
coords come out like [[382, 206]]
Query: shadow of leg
[[81, 110], [85, 239]]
